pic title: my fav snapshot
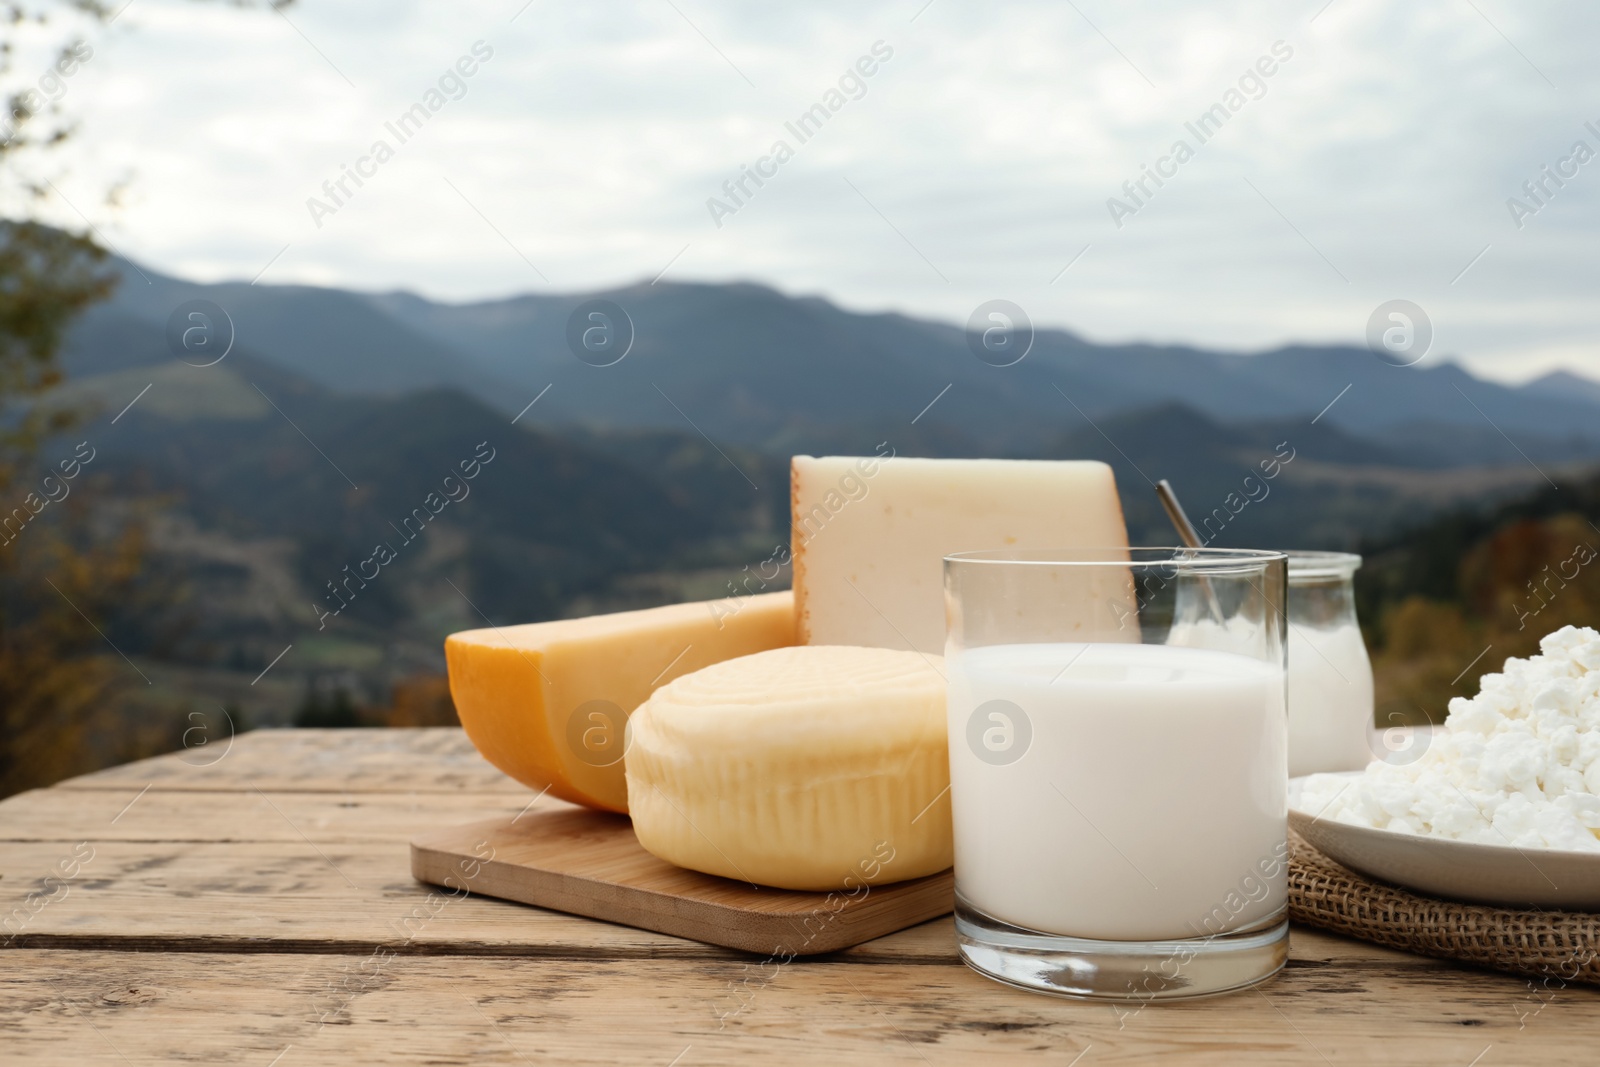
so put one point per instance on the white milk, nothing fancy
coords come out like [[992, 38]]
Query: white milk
[[1330, 689], [1330, 700], [1149, 802]]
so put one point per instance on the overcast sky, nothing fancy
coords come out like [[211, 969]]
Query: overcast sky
[[976, 161]]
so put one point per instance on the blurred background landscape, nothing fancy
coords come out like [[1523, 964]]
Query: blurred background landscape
[[178, 579], [604, 496]]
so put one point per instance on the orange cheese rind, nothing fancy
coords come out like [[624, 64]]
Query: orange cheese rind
[[548, 702]]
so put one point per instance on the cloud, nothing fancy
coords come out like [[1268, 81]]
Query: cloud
[[978, 164]]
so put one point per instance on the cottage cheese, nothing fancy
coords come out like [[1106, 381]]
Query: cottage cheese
[[1518, 764]]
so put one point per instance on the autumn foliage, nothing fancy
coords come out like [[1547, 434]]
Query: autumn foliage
[[1452, 600], [60, 572]]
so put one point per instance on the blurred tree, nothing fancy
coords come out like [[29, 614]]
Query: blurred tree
[[1517, 573], [56, 576], [1534, 576], [61, 574]]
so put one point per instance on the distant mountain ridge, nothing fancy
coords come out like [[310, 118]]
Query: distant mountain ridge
[[747, 364], [279, 481], [1562, 383], [275, 495]]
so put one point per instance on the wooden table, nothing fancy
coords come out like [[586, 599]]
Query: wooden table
[[253, 905]]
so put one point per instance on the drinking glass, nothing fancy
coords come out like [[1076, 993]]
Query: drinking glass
[[1119, 768]]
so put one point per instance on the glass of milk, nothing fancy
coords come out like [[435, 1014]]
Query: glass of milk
[[1118, 776]]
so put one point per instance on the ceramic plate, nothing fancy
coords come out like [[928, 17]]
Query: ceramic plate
[[1455, 870]]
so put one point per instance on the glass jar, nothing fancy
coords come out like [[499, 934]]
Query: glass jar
[[1330, 676]]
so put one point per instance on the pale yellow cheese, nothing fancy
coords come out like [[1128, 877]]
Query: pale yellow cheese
[[803, 768], [548, 702], [870, 535]]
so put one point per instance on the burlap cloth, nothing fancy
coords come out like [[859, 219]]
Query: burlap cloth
[[1562, 945]]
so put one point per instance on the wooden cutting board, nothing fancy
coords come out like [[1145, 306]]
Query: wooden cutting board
[[589, 863]]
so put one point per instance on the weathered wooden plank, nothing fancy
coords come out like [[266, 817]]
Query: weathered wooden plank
[[348, 896], [244, 891], [436, 759], [133, 813], [295, 841], [345, 896], [258, 869], [120, 1008], [284, 896]]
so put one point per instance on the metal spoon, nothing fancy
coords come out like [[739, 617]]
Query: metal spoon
[[1190, 537], [1179, 517]]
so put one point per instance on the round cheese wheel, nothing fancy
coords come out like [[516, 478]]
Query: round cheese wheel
[[814, 767]]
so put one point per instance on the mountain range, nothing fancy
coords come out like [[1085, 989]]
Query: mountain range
[[747, 364], [274, 475]]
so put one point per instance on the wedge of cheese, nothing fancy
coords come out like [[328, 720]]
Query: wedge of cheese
[[870, 535], [548, 702], [802, 768]]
